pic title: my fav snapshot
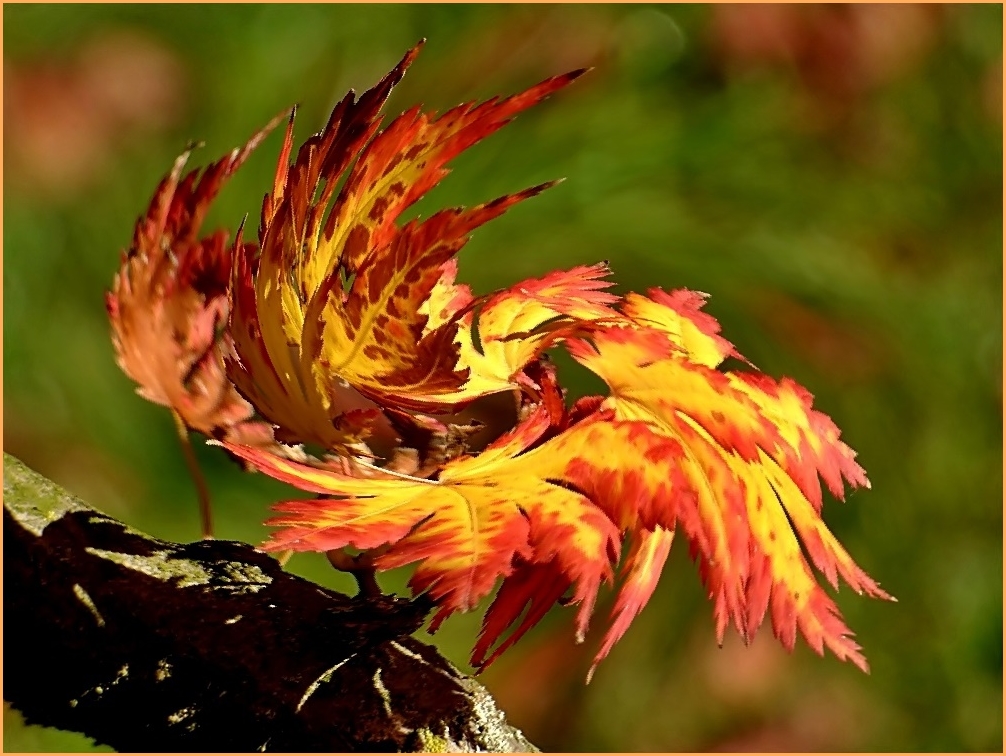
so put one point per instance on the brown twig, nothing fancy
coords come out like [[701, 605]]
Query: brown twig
[[360, 566], [147, 645]]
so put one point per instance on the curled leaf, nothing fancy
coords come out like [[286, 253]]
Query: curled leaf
[[344, 305], [169, 303]]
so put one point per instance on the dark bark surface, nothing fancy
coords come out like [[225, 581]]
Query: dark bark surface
[[152, 646]]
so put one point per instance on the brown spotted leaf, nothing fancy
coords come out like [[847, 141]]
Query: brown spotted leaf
[[344, 311]]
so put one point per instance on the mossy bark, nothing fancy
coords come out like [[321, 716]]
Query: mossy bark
[[147, 645]]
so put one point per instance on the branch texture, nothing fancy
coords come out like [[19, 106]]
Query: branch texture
[[147, 645]]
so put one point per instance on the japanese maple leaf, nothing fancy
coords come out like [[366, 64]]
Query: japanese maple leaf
[[465, 529], [732, 458], [744, 472], [169, 303], [332, 320], [347, 319]]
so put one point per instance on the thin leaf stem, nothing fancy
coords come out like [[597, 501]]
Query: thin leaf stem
[[202, 490]]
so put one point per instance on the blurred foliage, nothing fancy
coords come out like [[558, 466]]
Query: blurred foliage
[[831, 175]]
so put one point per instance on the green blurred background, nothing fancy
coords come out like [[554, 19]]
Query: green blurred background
[[832, 176]]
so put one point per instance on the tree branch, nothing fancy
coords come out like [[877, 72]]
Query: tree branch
[[152, 646]]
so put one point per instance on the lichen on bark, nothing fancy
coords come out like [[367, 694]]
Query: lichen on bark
[[147, 645]]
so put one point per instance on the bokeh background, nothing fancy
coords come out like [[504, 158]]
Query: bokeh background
[[831, 175]]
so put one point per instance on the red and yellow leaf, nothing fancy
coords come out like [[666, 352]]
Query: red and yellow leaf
[[344, 304], [752, 451], [517, 324], [379, 339], [269, 297], [346, 329], [726, 457], [465, 530]]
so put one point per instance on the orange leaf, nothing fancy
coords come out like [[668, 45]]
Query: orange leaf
[[168, 306], [642, 570], [268, 318], [726, 457], [751, 453], [349, 331]]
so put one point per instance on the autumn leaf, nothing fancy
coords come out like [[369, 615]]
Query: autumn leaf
[[728, 457], [751, 453], [335, 315], [518, 324], [169, 303], [169, 308], [465, 530], [348, 330], [267, 317]]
